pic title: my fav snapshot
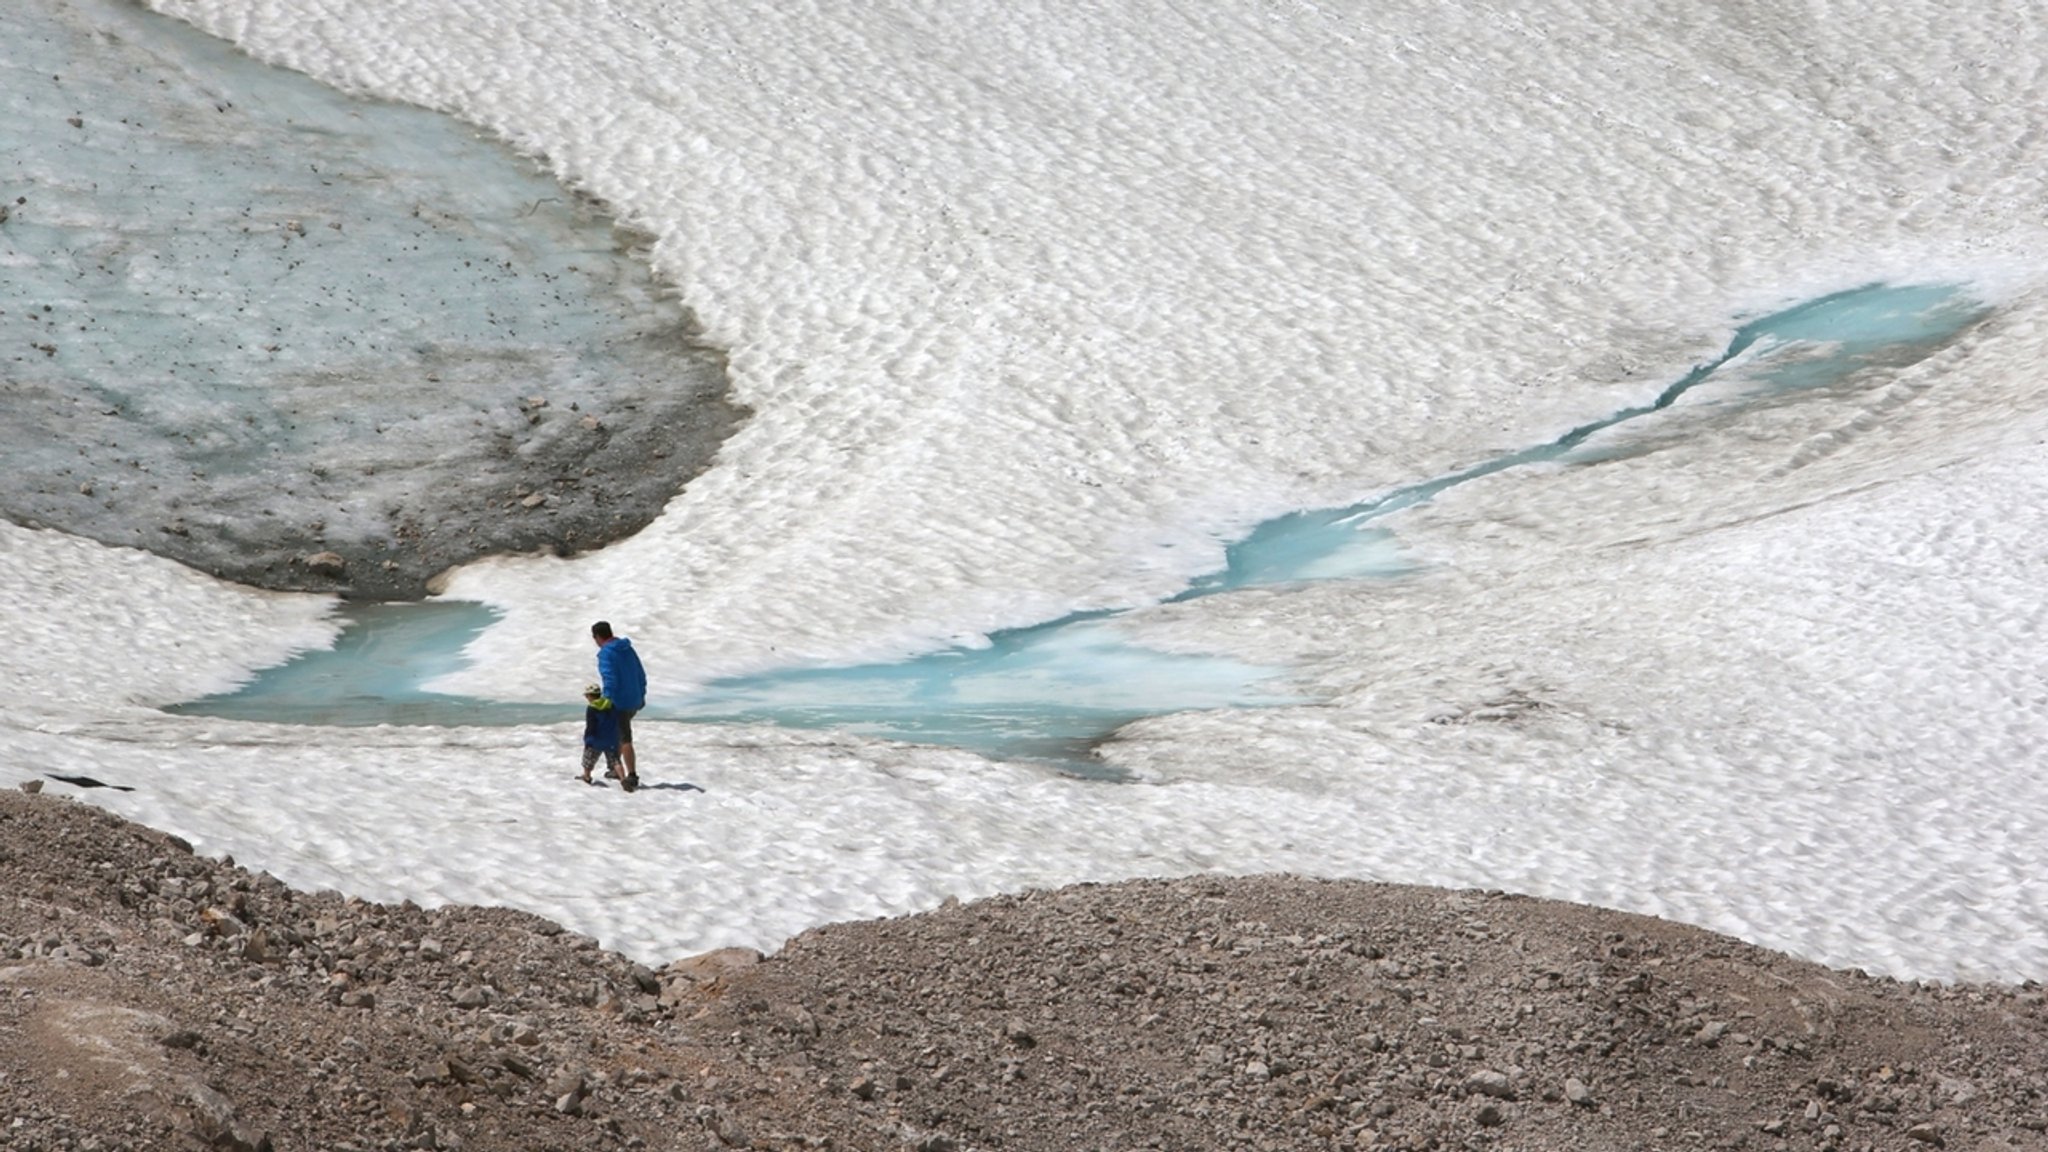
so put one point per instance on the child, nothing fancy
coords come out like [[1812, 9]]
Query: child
[[600, 734]]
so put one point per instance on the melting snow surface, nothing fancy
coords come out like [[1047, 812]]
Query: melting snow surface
[[1037, 308]]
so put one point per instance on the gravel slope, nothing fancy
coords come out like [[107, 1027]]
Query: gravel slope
[[154, 999]]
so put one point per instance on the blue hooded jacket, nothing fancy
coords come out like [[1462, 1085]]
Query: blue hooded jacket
[[625, 681]]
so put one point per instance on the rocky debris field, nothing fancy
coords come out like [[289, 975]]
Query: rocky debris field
[[150, 998]]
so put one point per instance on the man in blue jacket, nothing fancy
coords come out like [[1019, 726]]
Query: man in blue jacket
[[625, 688]]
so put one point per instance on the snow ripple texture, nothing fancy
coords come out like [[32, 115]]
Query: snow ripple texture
[[1036, 307]]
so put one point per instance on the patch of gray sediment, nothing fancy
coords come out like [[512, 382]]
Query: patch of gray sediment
[[306, 341]]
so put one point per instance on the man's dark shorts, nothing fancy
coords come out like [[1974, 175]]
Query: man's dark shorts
[[626, 725]]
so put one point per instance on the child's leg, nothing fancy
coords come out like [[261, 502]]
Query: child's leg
[[611, 765], [589, 762]]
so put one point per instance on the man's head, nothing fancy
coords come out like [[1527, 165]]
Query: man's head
[[601, 632]]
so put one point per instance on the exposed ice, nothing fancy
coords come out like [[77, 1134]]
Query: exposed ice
[[250, 320]]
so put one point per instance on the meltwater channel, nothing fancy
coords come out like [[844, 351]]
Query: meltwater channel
[[1050, 692]]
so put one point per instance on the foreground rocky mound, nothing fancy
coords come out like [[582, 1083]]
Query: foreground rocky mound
[[153, 999]]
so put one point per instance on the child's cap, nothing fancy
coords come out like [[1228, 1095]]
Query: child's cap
[[593, 690]]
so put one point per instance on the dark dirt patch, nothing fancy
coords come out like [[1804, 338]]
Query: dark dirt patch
[[304, 340]]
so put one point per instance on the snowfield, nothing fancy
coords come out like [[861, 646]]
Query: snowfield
[[1036, 309]]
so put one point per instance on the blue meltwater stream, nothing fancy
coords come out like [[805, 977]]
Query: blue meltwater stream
[[1050, 692]]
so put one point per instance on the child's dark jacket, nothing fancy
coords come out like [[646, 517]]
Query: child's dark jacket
[[601, 729]]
